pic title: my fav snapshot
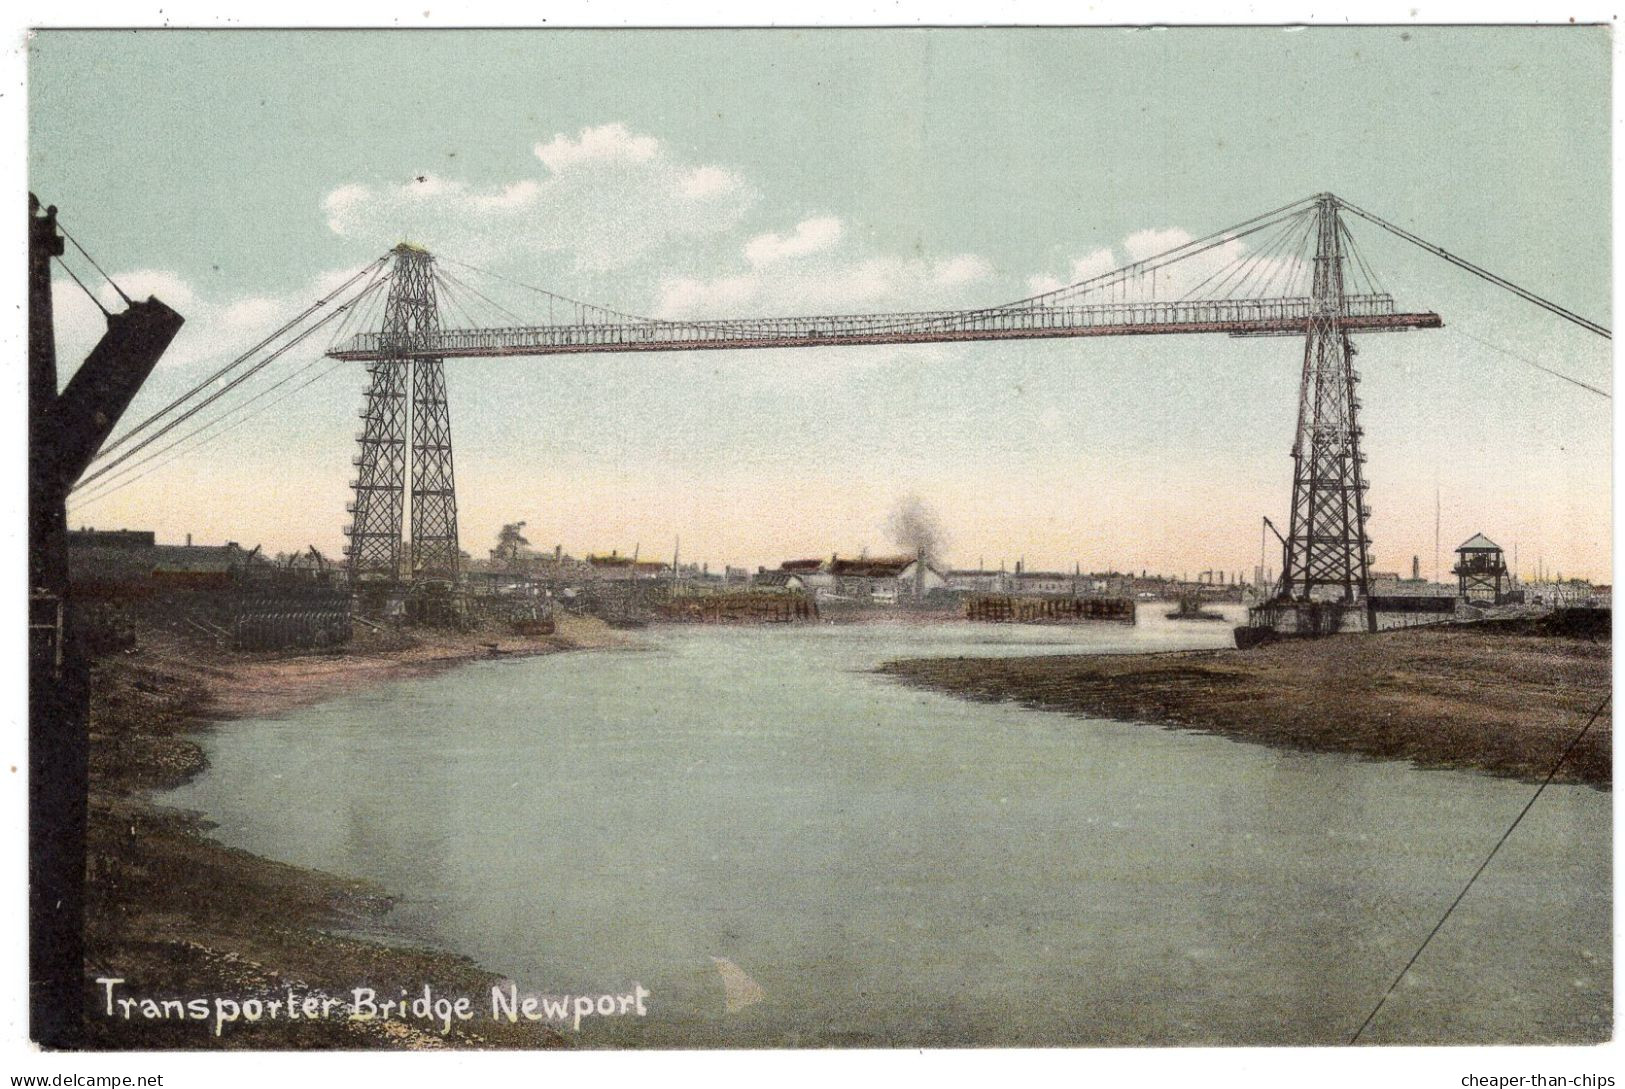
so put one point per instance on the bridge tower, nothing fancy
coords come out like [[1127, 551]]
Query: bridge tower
[[411, 320], [1326, 554]]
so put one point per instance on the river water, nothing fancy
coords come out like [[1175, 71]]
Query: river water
[[897, 867]]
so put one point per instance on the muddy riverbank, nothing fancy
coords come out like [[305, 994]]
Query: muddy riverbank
[[1504, 704], [174, 913]]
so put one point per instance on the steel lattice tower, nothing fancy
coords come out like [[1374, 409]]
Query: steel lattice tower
[[1327, 546], [434, 492], [411, 318], [375, 532]]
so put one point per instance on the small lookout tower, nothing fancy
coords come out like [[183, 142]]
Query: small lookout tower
[[1480, 567]]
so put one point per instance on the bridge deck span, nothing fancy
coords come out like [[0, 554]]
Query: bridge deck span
[[1283, 317]]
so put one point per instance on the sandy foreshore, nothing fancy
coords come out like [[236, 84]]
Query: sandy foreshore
[[175, 913], [1505, 704]]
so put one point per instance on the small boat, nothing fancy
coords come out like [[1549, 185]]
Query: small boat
[[1190, 608]]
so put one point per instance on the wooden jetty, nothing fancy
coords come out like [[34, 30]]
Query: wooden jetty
[[737, 608], [1008, 609]]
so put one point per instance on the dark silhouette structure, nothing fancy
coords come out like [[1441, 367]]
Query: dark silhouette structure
[[64, 432]]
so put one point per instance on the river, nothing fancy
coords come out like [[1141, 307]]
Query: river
[[895, 867]]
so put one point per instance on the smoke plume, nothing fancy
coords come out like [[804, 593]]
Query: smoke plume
[[916, 530]]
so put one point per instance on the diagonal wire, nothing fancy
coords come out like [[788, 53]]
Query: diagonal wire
[[1241, 262], [123, 478], [1197, 245], [1263, 266], [120, 484], [1538, 366], [213, 397], [235, 363], [1375, 282], [1224, 272], [1292, 261], [555, 295], [92, 260], [501, 309], [89, 294], [1482, 273], [1569, 749], [443, 284]]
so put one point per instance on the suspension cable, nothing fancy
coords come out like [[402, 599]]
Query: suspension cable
[[1537, 365], [1482, 273], [118, 484], [443, 291], [215, 396], [1167, 256], [1243, 260], [1292, 263], [584, 306], [122, 477], [92, 260], [89, 294], [1184, 250], [235, 363], [502, 309]]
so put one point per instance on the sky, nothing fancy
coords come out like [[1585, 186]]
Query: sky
[[240, 175]]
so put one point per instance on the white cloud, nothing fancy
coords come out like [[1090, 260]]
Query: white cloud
[[613, 142], [1093, 264], [708, 181], [809, 236], [690, 297], [140, 283], [607, 198], [966, 268], [823, 280], [518, 195], [1152, 241], [250, 312], [342, 206]]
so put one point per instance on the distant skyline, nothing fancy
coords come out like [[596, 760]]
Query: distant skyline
[[728, 173]]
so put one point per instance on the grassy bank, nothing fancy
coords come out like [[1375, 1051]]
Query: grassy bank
[[1506, 704], [177, 914]]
